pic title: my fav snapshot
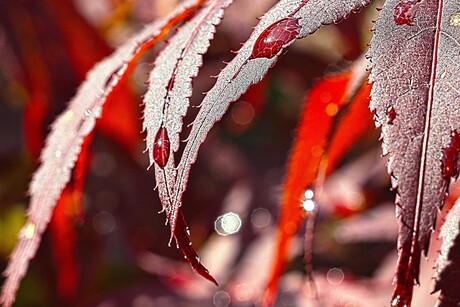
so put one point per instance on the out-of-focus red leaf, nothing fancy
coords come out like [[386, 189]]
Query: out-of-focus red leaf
[[69, 210], [22, 36], [354, 123], [83, 44], [121, 121], [316, 151], [121, 124], [245, 111], [49, 174], [64, 237]]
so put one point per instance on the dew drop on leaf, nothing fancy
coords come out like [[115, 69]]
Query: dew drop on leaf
[[161, 147], [275, 38], [405, 12], [450, 157], [28, 231], [454, 20], [391, 113]]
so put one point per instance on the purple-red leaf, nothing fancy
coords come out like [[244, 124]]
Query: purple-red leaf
[[448, 264], [285, 22], [415, 97], [63, 144], [167, 97], [181, 235]]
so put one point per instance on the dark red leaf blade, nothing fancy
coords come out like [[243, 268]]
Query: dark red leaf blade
[[448, 263], [302, 17], [415, 99], [181, 235], [64, 143], [64, 238]]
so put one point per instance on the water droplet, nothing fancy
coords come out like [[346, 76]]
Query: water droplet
[[242, 113], [443, 75], [221, 299], [332, 109], [185, 257], [57, 153], [454, 20], [228, 224], [395, 301], [308, 205], [161, 147], [404, 13], [317, 151], [309, 194], [88, 113], [104, 165], [391, 113], [260, 217], [244, 293], [104, 223], [197, 259], [450, 157], [275, 38], [28, 231], [188, 231], [335, 276], [68, 115]]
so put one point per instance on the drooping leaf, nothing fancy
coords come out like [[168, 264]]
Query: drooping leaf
[[313, 155], [414, 55], [64, 237], [277, 30], [120, 122], [182, 237], [448, 263], [167, 98], [64, 142]]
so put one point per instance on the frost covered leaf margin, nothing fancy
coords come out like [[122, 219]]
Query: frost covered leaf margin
[[63, 144], [415, 64]]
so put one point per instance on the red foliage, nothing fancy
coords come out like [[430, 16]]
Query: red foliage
[[316, 151]]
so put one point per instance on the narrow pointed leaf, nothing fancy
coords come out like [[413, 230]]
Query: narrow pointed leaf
[[448, 263], [313, 153], [414, 55], [182, 237], [64, 142], [168, 95], [287, 21]]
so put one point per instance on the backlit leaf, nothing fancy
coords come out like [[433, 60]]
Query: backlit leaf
[[64, 142], [314, 154], [415, 59]]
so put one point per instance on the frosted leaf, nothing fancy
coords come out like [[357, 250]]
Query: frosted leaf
[[448, 263], [66, 138], [415, 97], [246, 69], [170, 87]]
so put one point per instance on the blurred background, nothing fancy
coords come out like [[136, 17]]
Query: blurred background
[[113, 249]]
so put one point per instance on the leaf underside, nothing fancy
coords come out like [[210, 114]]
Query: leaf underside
[[415, 64], [448, 263], [64, 143], [165, 105]]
